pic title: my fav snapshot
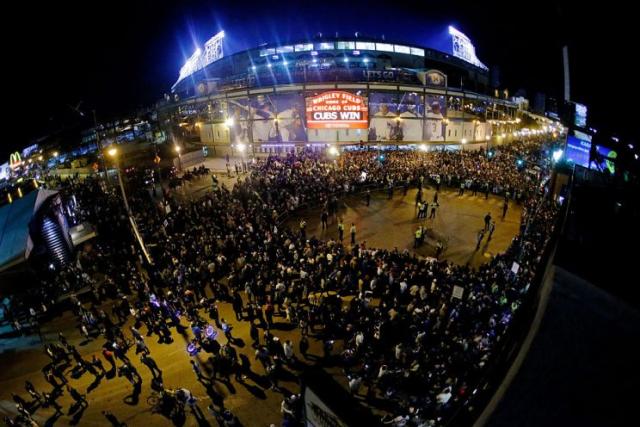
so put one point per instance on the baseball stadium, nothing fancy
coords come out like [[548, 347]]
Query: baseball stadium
[[336, 90]]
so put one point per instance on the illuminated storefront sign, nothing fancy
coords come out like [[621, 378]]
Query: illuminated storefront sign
[[464, 49], [15, 160], [337, 110]]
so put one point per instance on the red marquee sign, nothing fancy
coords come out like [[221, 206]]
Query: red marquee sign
[[337, 109]]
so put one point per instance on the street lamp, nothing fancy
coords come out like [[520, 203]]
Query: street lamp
[[113, 153], [177, 148]]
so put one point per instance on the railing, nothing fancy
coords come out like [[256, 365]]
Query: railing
[[508, 347]]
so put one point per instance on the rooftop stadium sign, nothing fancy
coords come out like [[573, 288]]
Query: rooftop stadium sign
[[212, 52], [337, 109], [464, 49]]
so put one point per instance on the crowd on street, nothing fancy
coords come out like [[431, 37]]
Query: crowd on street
[[409, 343]]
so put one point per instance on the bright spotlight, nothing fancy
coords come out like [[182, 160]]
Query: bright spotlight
[[333, 151], [229, 122], [557, 155], [241, 147]]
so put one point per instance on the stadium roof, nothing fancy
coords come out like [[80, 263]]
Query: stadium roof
[[15, 242]]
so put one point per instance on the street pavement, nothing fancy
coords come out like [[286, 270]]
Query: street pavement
[[392, 223]]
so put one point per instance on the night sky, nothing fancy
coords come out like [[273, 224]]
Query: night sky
[[117, 55]]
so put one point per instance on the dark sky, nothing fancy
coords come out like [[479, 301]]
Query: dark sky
[[116, 55]]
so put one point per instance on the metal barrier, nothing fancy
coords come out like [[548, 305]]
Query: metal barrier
[[508, 347]]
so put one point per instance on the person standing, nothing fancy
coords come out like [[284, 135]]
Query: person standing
[[79, 398], [303, 346], [492, 228], [324, 218], [303, 229], [418, 237], [353, 233], [434, 206], [487, 221], [340, 230], [367, 197], [505, 207]]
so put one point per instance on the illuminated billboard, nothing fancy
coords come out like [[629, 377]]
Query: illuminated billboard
[[463, 48], [580, 117], [337, 109]]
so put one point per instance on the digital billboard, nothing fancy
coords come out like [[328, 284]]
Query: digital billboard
[[337, 109], [605, 159], [578, 150], [580, 115]]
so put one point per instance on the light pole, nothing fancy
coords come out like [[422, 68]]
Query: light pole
[[113, 153], [445, 122], [177, 148]]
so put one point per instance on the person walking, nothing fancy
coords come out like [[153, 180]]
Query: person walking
[[340, 230], [198, 371], [367, 197], [505, 207], [353, 233], [150, 363], [324, 218], [480, 237]]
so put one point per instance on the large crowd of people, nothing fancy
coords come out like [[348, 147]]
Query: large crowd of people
[[409, 342]]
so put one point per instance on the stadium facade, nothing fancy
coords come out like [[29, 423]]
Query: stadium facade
[[335, 90]]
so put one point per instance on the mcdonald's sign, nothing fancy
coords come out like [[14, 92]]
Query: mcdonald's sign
[[15, 160]]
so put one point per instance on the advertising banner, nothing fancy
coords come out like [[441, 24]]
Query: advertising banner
[[396, 116], [337, 109]]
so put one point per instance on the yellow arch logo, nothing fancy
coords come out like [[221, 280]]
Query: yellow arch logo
[[15, 160]]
